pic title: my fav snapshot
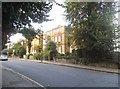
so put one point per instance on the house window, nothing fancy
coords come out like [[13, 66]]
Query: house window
[[55, 38], [59, 38]]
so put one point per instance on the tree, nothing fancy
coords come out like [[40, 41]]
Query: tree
[[10, 52], [29, 34], [69, 38], [38, 48], [19, 49], [93, 27], [22, 51], [16, 48], [40, 37], [16, 15], [50, 49]]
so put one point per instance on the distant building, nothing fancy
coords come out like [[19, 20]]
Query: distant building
[[37, 41], [34, 43], [59, 36]]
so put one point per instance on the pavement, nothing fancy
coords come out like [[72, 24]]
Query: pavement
[[100, 69], [11, 78]]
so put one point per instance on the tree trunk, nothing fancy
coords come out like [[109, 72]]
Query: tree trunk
[[4, 40], [29, 48]]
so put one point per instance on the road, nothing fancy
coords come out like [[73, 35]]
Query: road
[[61, 76]]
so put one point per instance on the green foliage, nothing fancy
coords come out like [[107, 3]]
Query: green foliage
[[10, 52], [38, 55], [50, 50], [116, 56], [69, 35], [38, 48], [60, 56], [51, 46], [19, 14], [93, 28], [45, 55], [16, 48], [19, 50], [22, 51], [64, 56], [29, 34]]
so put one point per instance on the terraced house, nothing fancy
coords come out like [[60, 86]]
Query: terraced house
[[59, 36], [37, 42]]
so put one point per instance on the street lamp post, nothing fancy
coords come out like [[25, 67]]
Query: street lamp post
[[40, 37]]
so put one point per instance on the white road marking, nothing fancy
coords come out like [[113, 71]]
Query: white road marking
[[23, 76]]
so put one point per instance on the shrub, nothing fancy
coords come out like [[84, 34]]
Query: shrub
[[21, 52], [50, 50], [60, 56], [45, 57], [63, 56], [10, 52], [38, 56], [28, 55]]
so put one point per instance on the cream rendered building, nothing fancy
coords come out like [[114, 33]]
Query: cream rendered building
[[59, 36]]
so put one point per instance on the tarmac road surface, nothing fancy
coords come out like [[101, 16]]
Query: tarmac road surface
[[60, 76]]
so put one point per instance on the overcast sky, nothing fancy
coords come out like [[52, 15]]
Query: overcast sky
[[57, 14]]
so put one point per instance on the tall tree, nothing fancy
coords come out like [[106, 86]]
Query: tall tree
[[16, 48], [19, 49], [16, 15], [69, 36], [50, 49], [29, 34], [93, 27], [40, 37]]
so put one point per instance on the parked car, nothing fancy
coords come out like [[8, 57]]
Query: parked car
[[3, 57]]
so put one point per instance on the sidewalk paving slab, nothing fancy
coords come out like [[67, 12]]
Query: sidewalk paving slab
[[108, 70], [11, 79]]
